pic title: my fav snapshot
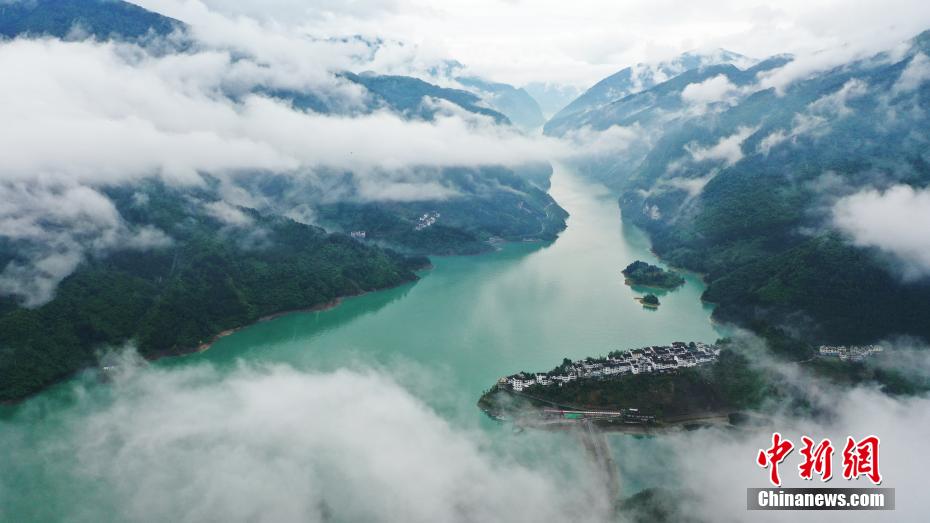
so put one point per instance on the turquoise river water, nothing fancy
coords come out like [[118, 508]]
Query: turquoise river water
[[465, 323]]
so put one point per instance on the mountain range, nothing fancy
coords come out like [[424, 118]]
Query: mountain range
[[770, 180], [633, 80], [210, 265], [101, 19], [743, 174]]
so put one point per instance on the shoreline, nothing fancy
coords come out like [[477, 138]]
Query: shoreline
[[630, 283], [335, 302], [528, 416], [205, 346], [331, 304], [638, 429], [320, 307], [647, 305]]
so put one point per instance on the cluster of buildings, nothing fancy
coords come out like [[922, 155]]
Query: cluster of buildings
[[664, 358], [851, 353], [426, 220], [423, 222]]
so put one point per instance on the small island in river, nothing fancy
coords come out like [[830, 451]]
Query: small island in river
[[642, 273], [650, 301]]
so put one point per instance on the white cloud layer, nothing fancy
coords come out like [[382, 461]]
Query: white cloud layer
[[275, 444], [720, 472], [916, 73], [613, 140], [522, 41], [90, 113], [895, 220], [84, 116], [712, 468], [55, 227], [716, 89], [728, 149], [818, 116]]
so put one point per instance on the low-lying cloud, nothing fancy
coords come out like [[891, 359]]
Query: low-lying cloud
[[728, 149], [895, 220], [616, 139], [916, 73], [561, 45], [54, 227], [84, 116], [716, 89], [276, 444], [709, 470], [272, 443], [89, 112], [818, 117], [715, 466]]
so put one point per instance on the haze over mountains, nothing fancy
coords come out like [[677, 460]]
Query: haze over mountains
[[141, 134], [769, 180], [632, 80], [174, 170], [77, 18], [150, 174]]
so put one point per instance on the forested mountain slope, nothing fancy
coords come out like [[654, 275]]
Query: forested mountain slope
[[144, 258], [101, 19], [746, 180]]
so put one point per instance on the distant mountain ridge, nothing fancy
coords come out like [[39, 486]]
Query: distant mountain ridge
[[738, 181], [405, 95], [552, 97], [519, 106], [117, 19], [101, 19], [660, 102], [221, 265], [635, 79]]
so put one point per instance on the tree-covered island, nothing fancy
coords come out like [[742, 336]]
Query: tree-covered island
[[650, 301], [642, 273]]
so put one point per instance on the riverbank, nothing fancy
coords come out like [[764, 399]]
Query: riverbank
[[526, 411], [316, 308], [690, 422], [467, 322], [642, 301], [321, 307], [203, 347]]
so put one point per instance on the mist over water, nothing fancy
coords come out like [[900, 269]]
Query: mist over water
[[363, 412], [472, 319]]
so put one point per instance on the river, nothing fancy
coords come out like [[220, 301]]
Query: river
[[466, 322], [473, 319]]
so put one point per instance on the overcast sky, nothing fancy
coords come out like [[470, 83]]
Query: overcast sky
[[579, 42]]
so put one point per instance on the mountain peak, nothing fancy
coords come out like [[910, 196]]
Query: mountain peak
[[642, 76], [922, 41]]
